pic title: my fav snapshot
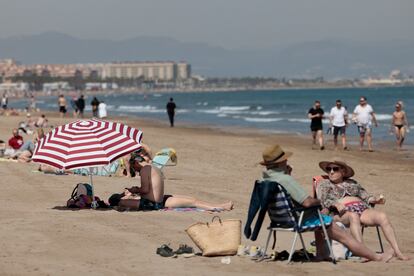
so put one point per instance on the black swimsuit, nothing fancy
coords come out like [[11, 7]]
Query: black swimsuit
[[399, 126]]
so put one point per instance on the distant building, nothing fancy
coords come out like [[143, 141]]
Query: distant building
[[152, 71], [163, 71]]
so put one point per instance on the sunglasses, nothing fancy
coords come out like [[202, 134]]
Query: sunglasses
[[334, 169]]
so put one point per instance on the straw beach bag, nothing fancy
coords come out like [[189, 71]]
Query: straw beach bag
[[218, 238]]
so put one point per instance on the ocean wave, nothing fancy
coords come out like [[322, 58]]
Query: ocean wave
[[233, 108], [140, 109], [264, 113], [383, 117], [262, 120], [208, 111], [299, 120]]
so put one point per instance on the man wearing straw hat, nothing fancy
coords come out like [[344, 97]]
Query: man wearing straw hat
[[275, 160]]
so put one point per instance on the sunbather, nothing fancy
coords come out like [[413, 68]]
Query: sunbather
[[150, 196], [352, 203]]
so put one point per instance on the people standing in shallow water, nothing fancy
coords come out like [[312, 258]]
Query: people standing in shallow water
[[171, 111], [62, 105], [316, 115], [102, 110], [95, 104], [81, 105], [399, 124]]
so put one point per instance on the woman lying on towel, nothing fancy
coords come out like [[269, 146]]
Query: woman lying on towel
[[150, 196], [352, 203]]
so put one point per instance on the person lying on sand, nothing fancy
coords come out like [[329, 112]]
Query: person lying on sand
[[352, 203], [150, 196]]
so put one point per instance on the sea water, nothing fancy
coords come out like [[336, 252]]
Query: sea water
[[274, 111]]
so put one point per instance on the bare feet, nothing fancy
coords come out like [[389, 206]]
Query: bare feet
[[402, 257], [387, 256]]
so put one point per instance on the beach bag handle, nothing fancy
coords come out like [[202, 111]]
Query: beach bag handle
[[212, 220]]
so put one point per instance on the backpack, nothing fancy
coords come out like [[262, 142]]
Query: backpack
[[81, 196]]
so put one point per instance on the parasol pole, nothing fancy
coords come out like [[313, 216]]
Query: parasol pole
[[94, 204]]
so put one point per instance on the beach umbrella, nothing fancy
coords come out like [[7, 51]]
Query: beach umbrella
[[86, 144]]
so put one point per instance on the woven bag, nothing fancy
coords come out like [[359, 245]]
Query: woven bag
[[218, 238]]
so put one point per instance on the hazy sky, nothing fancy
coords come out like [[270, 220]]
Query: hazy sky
[[227, 23]]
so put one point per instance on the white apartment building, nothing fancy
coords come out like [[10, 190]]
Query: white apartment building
[[165, 71]]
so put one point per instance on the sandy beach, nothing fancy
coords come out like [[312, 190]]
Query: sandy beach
[[39, 237]]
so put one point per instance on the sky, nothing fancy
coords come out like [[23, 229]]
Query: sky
[[232, 24]]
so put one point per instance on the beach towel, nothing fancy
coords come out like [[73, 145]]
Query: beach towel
[[189, 209]]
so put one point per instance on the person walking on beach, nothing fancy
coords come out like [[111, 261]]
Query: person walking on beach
[[364, 116], [339, 120], [4, 101], [74, 105], [102, 110], [95, 104], [316, 116], [171, 111], [399, 124], [81, 105], [62, 105]]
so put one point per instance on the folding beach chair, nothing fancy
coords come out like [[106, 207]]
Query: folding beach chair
[[287, 218], [315, 183], [165, 157]]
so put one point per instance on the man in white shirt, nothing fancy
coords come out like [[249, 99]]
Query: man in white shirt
[[339, 121], [363, 116]]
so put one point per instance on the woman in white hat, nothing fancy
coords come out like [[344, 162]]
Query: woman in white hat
[[352, 203]]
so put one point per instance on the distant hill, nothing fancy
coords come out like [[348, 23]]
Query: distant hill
[[328, 58]]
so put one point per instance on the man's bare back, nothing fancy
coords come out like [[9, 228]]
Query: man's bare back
[[152, 180]]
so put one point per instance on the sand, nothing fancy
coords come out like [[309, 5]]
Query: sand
[[38, 237]]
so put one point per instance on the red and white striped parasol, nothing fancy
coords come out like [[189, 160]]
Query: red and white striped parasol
[[86, 143]]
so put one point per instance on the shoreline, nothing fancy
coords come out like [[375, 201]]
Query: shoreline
[[26, 94]]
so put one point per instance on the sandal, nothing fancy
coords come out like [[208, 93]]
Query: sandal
[[184, 249], [165, 251]]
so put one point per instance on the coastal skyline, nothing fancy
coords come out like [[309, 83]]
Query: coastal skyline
[[232, 24]]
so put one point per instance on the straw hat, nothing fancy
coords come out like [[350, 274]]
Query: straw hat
[[273, 155], [348, 171]]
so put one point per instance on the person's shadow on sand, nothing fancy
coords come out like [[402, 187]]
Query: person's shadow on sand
[[64, 208]]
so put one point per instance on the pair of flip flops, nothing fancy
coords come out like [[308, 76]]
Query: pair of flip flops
[[183, 250]]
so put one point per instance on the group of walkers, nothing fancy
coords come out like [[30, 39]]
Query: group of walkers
[[78, 106], [363, 117]]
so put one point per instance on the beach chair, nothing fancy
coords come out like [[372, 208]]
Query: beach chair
[[287, 218], [315, 183], [165, 157]]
